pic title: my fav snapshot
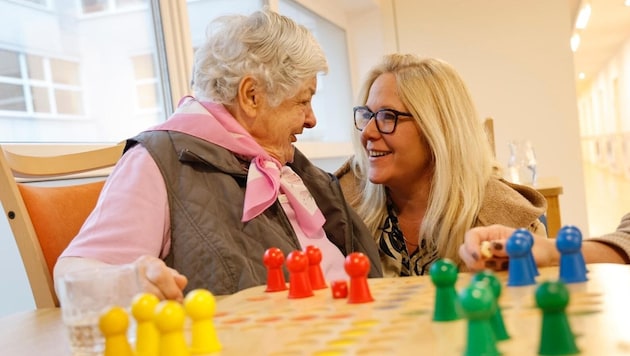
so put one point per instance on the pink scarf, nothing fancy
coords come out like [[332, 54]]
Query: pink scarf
[[265, 178]]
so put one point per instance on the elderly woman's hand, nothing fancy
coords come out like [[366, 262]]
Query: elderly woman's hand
[[157, 278]]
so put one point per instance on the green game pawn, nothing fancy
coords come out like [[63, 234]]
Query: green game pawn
[[478, 303], [556, 337], [497, 318], [444, 275]]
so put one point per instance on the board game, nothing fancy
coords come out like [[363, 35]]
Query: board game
[[399, 320]]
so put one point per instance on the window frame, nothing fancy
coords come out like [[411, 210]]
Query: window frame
[[27, 83]]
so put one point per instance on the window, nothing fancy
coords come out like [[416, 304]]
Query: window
[[201, 12], [11, 91], [96, 6], [90, 6], [34, 85], [148, 96], [43, 3], [89, 79], [333, 102], [100, 72]]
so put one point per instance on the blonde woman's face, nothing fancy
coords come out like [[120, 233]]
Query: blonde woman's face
[[401, 159]]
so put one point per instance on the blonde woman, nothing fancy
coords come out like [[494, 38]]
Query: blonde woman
[[424, 173]]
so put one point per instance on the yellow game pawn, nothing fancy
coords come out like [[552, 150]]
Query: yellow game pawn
[[169, 319], [147, 335], [113, 325], [200, 306]]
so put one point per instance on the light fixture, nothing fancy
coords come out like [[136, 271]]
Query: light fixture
[[575, 42], [581, 75], [627, 2], [583, 16]]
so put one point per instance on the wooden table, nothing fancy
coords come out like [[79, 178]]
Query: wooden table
[[551, 188], [253, 322], [34, 333]]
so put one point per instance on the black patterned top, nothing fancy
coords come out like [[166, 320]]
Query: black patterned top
[[394, 256]]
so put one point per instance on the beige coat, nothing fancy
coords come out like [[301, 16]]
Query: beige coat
[[505, 203]]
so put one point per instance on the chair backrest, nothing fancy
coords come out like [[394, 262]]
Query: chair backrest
[[46, 200], [488, 126]]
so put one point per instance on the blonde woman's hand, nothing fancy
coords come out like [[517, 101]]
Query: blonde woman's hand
[[484, 247]]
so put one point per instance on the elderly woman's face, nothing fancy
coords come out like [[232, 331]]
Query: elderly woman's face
[[278, 127]]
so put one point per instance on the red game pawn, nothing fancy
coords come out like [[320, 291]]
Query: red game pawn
[[299, 283], [315, 274], [273, 260], [357, 266]]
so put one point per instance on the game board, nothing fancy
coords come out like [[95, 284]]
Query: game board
[[399, 321]]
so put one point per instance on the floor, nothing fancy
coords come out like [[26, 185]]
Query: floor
[[607, 197]]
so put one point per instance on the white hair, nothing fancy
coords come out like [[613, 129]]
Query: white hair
[[274, 49]]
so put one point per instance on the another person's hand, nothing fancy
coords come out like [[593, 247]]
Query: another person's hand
[[157, 278], [484, 247]]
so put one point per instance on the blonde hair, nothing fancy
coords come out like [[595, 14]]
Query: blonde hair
[[277, 51], [443, 109]]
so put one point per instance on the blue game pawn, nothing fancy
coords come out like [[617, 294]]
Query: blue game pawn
[[530, 240], [520, 272], [569, 244]]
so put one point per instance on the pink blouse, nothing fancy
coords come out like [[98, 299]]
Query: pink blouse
[[131, 219]]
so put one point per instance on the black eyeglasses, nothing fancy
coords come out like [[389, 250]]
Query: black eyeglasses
[[386, 119]]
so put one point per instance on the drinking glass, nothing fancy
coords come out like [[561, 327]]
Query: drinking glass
[[84, 296], [522, 163]]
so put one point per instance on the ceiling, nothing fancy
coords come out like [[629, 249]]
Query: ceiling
[[601, 40]]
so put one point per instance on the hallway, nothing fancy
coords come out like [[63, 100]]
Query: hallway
[[607, 197]]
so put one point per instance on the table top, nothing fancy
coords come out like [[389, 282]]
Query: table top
[[37, 332], [255, 322]]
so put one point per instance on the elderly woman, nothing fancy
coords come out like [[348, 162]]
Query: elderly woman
[[424, 173], [196, 201]]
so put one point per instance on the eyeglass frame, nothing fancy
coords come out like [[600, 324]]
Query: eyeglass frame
[[373, 115]]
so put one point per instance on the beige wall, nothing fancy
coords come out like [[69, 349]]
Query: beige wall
[[516, 59]]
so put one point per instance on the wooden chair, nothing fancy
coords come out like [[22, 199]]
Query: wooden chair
[[46, 200], [488, 126], [549, 187]]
